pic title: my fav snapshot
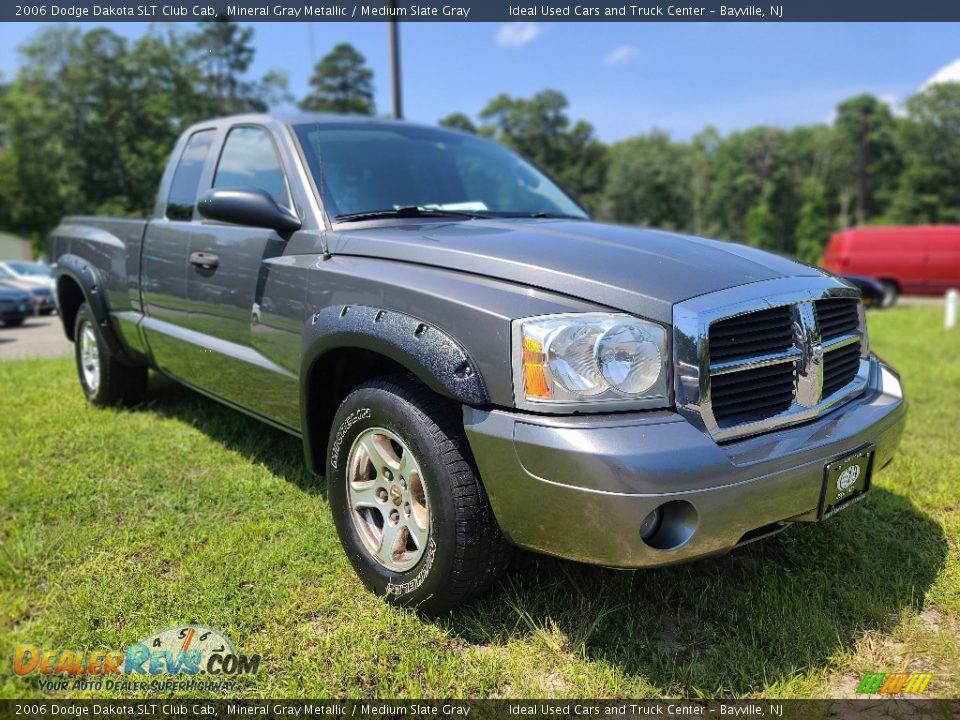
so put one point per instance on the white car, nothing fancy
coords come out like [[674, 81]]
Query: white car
[[44, 301], [30, 272]]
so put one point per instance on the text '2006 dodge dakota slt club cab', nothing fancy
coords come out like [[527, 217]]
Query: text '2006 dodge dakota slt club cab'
[[471, 361]]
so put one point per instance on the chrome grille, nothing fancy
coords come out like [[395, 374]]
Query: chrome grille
[[839, 323], [837, 316], [765, 331], [752, 394], [840, 367], [768, 354]]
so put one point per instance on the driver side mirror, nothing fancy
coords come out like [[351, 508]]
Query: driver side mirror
[[252, 207]]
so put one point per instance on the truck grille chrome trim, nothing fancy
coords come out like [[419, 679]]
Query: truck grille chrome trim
[[769, 354]]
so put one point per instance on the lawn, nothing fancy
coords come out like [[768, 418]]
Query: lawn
[[117, 524]]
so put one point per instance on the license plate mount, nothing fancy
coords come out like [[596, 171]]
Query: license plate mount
[[846, 482]]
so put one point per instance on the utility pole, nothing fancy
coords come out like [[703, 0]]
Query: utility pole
[[394, 31]]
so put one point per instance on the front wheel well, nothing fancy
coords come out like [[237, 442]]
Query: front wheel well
[[69, 299], [331, 378]]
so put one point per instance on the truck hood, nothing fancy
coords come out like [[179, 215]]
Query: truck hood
[[641, 271]]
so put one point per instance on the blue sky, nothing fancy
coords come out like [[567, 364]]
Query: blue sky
[[625, 78]]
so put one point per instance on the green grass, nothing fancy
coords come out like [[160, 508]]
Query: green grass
[[117, 524]]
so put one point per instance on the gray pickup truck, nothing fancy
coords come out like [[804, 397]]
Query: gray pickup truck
[[471, 361]]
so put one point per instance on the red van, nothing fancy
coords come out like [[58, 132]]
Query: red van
[[923, 259]]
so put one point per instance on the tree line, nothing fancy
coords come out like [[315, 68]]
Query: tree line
[[87, 123]]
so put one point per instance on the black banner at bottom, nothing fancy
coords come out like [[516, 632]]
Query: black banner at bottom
[[546, 709]]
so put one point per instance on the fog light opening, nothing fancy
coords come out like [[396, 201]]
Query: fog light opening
[[670, 525]]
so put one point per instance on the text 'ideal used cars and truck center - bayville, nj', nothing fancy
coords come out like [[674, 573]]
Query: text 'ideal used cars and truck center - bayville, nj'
[[641, 11]]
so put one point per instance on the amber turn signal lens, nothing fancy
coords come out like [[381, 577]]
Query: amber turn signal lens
[[534, 377]]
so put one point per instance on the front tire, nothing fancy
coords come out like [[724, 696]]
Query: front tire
[[891, 292], [408, 504], [106, 380]]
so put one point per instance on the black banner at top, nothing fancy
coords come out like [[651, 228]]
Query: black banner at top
[[481, 11], [566, 709]]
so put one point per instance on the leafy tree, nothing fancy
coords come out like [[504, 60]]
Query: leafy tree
[[342, 83], [224, 50], [760, 227], [458, 121], [815, 225], [648, 182], [703, 150], [864, 139], [929, 189], [540, 129]]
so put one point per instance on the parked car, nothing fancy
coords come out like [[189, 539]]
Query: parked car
[[919, 259], [872, 291], [42, 296], [471, 361], [31, 272], [16, 305]]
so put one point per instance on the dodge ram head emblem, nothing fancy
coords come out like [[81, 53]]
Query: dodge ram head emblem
[[848, 477]]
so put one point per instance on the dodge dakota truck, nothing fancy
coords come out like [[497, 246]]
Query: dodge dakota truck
[[471, 361]]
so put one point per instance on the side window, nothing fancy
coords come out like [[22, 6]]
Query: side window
[[249, 160], [186, 178]]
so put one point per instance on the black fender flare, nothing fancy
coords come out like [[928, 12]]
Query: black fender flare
[[88, 279], [435, 358], [428, 352]]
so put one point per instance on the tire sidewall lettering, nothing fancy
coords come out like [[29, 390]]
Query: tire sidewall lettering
[[352, 419]]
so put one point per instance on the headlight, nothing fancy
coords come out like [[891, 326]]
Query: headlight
[[567, 361]]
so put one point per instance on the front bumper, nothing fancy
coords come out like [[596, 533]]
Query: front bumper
[[579, 487]]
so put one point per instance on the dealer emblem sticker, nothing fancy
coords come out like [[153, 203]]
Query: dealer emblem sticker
[[848, 477]]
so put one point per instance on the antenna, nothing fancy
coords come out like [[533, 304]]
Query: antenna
[[394, 33]]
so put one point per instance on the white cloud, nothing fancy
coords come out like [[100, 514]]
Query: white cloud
[[896, 105], [517, 33], [619, 55], [949, 73]]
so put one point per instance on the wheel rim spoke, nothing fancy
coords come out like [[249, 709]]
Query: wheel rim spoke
[[407, 465], [364, 494], [418, 533], [393, 543], [373, 445], [89, 357]]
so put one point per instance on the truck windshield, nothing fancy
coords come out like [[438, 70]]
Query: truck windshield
[[368, 170]]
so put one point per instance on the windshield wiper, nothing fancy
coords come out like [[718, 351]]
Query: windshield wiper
[[406, 211], [554, 216]]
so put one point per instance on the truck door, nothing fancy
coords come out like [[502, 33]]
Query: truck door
[[163, 271], [243, 300]]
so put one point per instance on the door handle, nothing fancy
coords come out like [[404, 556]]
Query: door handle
[[206, 260]]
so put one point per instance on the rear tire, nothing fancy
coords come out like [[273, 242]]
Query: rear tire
[[890, 293], [409, 507], [14, 323], [106, 380]]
